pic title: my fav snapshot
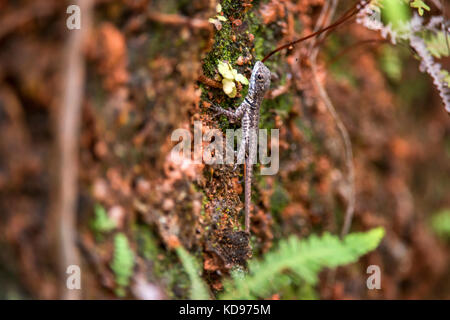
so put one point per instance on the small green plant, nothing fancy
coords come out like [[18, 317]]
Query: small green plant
[[420, 5], [437, 45], [198, 290], [101, 222], [391, 63], [446, 76], [440, 222], [218, 18], [122, 263], [394, 11], [295, 259], [230, 75]]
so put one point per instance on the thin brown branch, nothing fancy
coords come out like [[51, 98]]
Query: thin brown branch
[[344, 18], [355, 46], [319, 24], [345, 138], [347, 147], [67, 137]]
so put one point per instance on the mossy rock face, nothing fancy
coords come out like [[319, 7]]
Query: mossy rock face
[[241, 41], [232, 42]]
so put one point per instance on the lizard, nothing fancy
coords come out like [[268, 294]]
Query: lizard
[[248, 112]]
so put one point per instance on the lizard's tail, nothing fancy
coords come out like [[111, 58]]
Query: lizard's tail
[[248, 192]]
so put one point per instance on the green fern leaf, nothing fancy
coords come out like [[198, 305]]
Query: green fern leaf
[[437, 45], [198, 290], [101, 222], [305, 258], [123, 263], [446, 76], [440, 222], [420, 6]]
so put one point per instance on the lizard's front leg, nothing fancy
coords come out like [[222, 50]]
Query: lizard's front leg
[[235, 116], [232, 116]]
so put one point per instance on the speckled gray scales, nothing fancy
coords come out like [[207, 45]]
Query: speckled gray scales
[[248, 113]]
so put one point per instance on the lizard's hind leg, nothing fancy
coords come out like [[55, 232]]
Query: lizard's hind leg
[[244, 141]]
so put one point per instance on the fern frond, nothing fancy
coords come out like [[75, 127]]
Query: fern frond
[[123, 263], [101, 221], [198, 290], [305, 258], [437, 45], [440, 222], [433, 69], [412, 31]]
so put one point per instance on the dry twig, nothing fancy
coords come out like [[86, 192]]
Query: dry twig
[[342, 131], [67, 133]]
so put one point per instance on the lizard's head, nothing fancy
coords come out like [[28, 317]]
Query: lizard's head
[[260, 79]]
